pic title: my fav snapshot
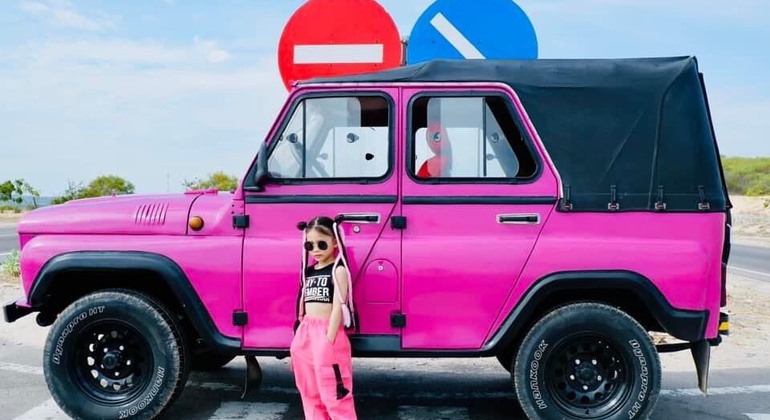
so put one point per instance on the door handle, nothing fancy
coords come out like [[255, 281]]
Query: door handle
[[360, 217], [519, 219]]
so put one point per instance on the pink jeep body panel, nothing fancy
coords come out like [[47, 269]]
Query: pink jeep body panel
[[456, 272], [550, 213]]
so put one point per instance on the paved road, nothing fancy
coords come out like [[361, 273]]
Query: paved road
[[9, 239], [408, 389], [750, 261]]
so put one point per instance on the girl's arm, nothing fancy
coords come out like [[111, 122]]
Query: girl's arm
[[339, 297]]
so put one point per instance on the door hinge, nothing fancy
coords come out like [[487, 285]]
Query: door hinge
[[397, 320], [398, 222], [241, 221], [240, 318]]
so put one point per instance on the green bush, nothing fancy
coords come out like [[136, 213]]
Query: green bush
[[101, 186], [7, 208], [747, 176], [11, 264]]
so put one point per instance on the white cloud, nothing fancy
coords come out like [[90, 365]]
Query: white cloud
[[62, 13], [211, 51], [743, 12], [139, 109], [105, 52]]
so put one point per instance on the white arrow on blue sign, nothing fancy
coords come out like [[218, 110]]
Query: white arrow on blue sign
[[462, 29]]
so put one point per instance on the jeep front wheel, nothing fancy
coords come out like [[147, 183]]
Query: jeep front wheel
[[114, 354], [587, 361]]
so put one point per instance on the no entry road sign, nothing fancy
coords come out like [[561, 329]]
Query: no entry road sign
[[338, 37], [457, 29]]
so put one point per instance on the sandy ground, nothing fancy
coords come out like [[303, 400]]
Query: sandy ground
[[751, 220], [748, 305], [10, 217]]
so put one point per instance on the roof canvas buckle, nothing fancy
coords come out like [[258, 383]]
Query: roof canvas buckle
[[660, 205], [613, 205], [703, 204], [567, 204]]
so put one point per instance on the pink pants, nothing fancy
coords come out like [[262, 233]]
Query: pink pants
[[323, 371]]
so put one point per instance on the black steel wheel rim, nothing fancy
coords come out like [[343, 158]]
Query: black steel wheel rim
[[112, 362], [587, 376]]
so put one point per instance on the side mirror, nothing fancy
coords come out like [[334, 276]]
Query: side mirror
[[261, 175]]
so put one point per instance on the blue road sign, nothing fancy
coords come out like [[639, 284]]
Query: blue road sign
[[457, 29]]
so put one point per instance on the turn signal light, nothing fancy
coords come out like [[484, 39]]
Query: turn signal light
[[196, 223]]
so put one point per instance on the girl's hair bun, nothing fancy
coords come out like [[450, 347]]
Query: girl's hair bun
[[302, 225]]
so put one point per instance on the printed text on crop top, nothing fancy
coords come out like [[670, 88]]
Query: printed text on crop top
[[319, 285]]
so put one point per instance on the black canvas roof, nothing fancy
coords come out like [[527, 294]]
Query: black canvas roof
[[636, 124]]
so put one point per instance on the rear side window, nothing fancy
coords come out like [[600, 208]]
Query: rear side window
[[334, 138], [467, 138]]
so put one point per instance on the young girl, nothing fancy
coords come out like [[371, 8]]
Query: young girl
[[320, 350]]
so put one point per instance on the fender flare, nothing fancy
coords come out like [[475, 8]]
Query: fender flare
[[167, 270], [689, 325]]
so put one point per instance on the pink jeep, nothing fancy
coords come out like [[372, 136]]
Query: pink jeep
[[550, 213]]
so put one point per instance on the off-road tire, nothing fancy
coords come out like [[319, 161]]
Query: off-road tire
[[115, 354], [587, 361]]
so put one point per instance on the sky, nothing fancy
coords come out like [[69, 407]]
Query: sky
[[162, 91]]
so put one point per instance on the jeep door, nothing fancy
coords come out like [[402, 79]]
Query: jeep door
[[330, 154], [476, 194]]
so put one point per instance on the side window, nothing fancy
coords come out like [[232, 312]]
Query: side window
[[333, 138], [467, 138]]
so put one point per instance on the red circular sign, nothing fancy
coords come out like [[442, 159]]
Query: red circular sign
[[338, 37]]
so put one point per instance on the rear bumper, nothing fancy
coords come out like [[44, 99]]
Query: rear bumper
[[13, 311]]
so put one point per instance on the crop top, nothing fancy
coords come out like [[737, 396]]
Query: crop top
[[319, 284]]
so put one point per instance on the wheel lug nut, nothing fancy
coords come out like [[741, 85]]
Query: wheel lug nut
[[577, 361], [592, 361], [121, 349], [599, 378], [585, 387], [572, 377]]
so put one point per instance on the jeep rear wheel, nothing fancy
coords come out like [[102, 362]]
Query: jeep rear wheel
[[114, 354], [587, 361]]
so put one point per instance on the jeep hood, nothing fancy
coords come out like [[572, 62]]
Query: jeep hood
[[119, 215]]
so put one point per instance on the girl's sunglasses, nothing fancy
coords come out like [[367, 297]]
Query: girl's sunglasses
[[322, 245]]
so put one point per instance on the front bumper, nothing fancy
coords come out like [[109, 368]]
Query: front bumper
[[13, 311]]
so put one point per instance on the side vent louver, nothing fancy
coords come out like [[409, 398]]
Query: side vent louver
[[151, 214]]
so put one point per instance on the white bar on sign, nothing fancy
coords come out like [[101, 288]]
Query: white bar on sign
[[338, 54], [455, 37]]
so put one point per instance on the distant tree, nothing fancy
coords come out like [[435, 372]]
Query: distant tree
[[99, 187], [70, 193], [107, 185], [14, 191], [32, 192], [7, 190], [219, 180]]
